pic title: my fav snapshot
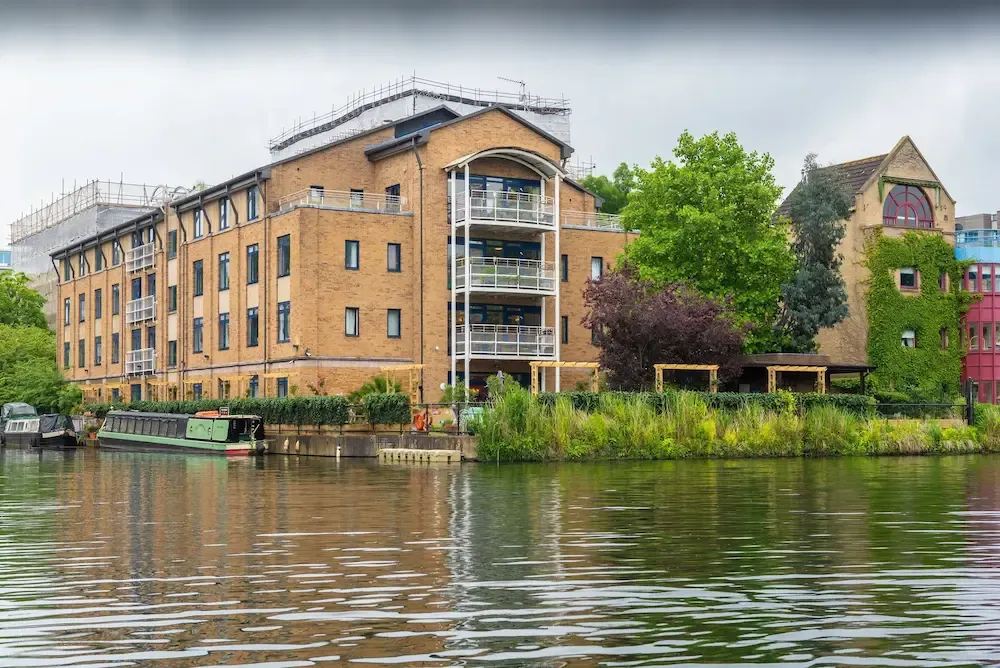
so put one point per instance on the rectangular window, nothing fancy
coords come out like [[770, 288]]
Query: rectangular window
[[66, 311], [196, 336], [66, 269], [199, 278], [351, 321], [199, 225], [171, 244], [564, 268], [352, 249], [223, 271], [136, 339], [136, 288], [98, 259], [596, 267], [252, 327], [593, 337], [943, 281], [171, 299], [908, 278], [943, 333], [996, 341], [392, 200], [284, 255], [116, 253], [987, 335], [116, 298], [252, 203], [83, 308], [223, 331], [115, 395], [82, 265], [282, 388], [115, 348], [98, 351], [98, 304], [66, 355], [971, 283], [223, 214], [254, 389], [357, 198], [909, 339], [196, 391], [252, 270], [564, 334], [171, 353], [394, 261], [987, 278], [284, 322], [392, 323], [151, 285], [151, 338], [974, 336], [81, 354]]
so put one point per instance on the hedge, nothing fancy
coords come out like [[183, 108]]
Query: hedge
[[331, 411], [731, 401], [386, 408]]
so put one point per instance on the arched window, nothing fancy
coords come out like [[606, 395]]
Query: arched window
[[907, 206]]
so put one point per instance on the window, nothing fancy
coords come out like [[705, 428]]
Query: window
[[199, 278], [392, 323], [136, 288], [909, 339], [196, 391], [254, 389], [150, 234], [564, 334], [66, 311], [66, 360], [151, 338], [196, 340], [357, 197], [82, 354], [908, 278], [116, 298], [136, 392], [98, 304], [136, 339], [171, 244], [284, 322], [252, 257], [596, 267], [987, 278], [223, 271], [116, 253], [593, 337], [115, 348], [171, 353], [943, 281], [252, 203], [98, 259], [199, 225], [252, 327], [351, 321], [82, 265], [171, 299], [282, 387], [971, 283], [66, 269], [284, 256], [996, 341], [151, 285], [98, 351], [943, 333], [223, 214], [987, 338], [394, 262], [115, 395], [223, 331], [83, 308], [352, 249], [564, 268], [392, 200], [974, 336], [907, 206]]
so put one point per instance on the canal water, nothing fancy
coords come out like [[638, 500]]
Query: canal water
[[120, 559]]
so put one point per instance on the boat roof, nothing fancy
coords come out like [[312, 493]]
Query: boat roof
[[179, 415]]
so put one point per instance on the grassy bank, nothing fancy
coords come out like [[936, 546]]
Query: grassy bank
[[520, 427]]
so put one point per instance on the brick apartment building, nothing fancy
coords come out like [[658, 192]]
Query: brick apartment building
[[332, 265]]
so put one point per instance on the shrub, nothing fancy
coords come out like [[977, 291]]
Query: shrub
[[386, 408], [329, 411]]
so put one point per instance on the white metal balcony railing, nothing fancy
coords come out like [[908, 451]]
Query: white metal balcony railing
[[507, 274], [489, 206], [140, 362], [342, 200], [140, 257], [600, 221], [507, 341], [138, 310], [981, 238]]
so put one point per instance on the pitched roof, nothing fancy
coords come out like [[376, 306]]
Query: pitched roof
[[856, 173]]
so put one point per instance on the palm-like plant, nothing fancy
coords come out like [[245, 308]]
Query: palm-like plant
[[374, 385]]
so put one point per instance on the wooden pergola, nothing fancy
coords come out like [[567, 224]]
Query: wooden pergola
[[820, 371], [414, 374], [535, 366], [271, 381], [161, 389], [712, 369]]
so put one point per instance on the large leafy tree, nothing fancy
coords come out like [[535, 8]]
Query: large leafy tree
[[28, 370], [613, 191], [707, 219], [19, 304], [816, 296], [638, 323]]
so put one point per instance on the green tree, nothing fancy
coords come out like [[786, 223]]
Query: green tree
[[816, 297], [19, 304], [28, 370], [374, 385], [613, 191], [708, 220]]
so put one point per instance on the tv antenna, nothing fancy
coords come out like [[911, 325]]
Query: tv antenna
[[524, 96]]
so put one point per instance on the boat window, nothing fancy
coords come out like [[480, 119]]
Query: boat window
[[171, 429], [163, 427], [130, 425]]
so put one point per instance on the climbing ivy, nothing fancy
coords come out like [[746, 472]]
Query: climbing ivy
[[927, 372]]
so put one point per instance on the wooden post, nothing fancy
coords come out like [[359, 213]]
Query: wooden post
[[659, 379], [595, 384], [713, 380]]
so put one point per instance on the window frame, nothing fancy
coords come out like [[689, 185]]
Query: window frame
[[284, 318], [253, 264], [350, 244], [223, 213], [171, 244], [172, 353], [198, 278], [198, 224], [224, 331], [357, 321], [388, 323], [253, 332], [600, 274], [116, 298], [399, 258], [171, 299], [198, 335], [98, 303], [116, 343], [223, 271], [253, 212], [82, 307], [283, 247], [903, 337], [98, 351], [912, 272]]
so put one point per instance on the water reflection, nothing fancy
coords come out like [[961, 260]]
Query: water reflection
[[115, 559]]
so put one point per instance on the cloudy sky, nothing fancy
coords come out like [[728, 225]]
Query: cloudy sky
[[172, 97]]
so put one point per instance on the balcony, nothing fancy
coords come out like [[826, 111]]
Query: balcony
[[506, 208], [592, 220], [140, 257], [140, 362], [507, 342], [981, 238], [340, 200], [138, 310], [498, 274]]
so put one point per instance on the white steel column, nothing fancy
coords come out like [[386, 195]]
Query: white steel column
[[557, 185], [541, 204], [452, 183], [468, 272]]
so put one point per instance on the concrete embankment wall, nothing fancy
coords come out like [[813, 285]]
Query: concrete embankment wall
[[367, 445]]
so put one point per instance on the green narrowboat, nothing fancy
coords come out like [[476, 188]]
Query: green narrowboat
[[211, 433]]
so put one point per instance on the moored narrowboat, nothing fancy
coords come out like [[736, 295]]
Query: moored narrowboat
[[51, 431], [166, 432]]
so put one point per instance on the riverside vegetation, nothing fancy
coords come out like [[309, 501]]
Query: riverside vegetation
[[518, 426]]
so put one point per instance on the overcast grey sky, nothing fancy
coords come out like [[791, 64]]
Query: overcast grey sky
[[179, 101]]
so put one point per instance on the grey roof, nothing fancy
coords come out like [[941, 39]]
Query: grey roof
[[856, 173]]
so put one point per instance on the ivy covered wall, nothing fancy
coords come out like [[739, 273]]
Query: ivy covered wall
[[929, 371]]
